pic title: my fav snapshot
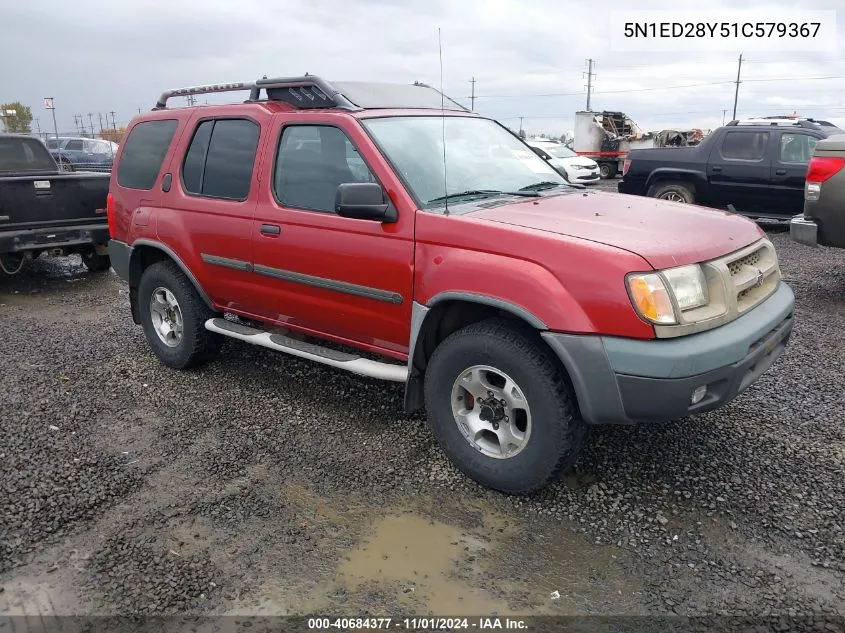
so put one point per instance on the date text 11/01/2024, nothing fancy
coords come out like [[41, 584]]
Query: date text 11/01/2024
[[413, 624], [722, 29]]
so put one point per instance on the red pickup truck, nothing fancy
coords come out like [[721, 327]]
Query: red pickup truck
[[385, 230]]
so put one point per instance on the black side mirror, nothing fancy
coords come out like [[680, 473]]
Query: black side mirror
[[363, 201]]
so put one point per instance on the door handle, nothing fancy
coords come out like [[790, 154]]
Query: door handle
[[717, 168], [270, 229], [780, 172]]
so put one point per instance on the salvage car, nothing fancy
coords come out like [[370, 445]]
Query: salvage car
[[754, 167], [82, 153], [512, 306], [577, 169], [823, 219], [45, 210]]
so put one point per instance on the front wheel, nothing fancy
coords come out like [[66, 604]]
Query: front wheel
[[173, 317], [501, 409]]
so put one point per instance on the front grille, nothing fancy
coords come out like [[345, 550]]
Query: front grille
[[749, 260], [754, 274]]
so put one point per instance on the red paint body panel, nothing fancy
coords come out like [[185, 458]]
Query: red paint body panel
[[571, 285], [665, 233], [562, 258]]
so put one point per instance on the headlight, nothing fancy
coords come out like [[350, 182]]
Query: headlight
[[688, 286], [652, 293]]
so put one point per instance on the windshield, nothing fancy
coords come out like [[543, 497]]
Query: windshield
[[560, 151], [481, 156]]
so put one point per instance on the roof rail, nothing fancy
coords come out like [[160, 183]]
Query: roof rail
[[202, 90], [308, 91], [805, 123]]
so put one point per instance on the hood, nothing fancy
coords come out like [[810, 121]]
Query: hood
[[664, 233]]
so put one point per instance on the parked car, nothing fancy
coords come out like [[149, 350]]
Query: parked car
[[45, 210], [577, 169], [823, 219], [754, 167], [75, 153], [514, 307]]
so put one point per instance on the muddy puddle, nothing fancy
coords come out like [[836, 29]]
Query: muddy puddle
[[410, 561]]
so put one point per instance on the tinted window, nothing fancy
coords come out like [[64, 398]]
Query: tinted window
[[144, 152], [220, 159], [23, 154], [74, 146], [796, 148], [195, 158], [745, 145], [312, 162]]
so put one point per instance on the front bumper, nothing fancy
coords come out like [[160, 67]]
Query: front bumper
[[68, 238], [620, 380], [629, 187], [804, 231]]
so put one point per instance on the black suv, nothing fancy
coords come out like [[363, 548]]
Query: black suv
[[755, 167]]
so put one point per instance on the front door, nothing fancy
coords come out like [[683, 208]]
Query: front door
[[345, 279], [739, 170]]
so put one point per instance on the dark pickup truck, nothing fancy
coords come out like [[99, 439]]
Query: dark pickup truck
[[755, 167], [43, 209]]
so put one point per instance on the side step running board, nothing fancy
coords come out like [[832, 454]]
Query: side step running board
[[334, 358]]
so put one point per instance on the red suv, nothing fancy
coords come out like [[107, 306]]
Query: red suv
[[387, 231]]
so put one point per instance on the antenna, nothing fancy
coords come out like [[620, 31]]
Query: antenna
[[443, 120]]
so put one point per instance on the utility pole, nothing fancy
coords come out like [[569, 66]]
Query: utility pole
[[736, 93], [724, 112], [472, 97], [101, 122], [38, 127], [113, 124], [520, 126], [91, 122], [590, 75]]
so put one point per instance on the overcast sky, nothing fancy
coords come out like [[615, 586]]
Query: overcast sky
[[100, 56]]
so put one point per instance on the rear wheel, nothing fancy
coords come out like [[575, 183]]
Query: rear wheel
[[673, 191], [173, 317], [501, 409], [607, 170]]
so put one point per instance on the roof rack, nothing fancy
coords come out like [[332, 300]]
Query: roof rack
[[202, 90], [805, 123], [311, 92]]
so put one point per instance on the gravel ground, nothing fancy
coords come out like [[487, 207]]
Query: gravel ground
[[262, 484]]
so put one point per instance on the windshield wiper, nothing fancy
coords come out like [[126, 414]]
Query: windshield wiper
[[485, 192], [542, 186]]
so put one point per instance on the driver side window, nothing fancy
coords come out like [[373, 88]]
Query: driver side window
[[312, 162]]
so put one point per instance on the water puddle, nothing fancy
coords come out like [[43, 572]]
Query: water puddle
[[423, 559]]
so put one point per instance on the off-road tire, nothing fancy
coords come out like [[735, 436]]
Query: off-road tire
[[95, 262], [557, 429], [607, 171], [673, 191], [198, 345]]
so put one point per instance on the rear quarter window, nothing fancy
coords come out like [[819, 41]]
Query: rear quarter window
[[144, 152]]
